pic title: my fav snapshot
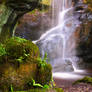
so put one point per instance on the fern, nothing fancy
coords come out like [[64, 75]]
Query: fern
[[35, 84], [12, 89]]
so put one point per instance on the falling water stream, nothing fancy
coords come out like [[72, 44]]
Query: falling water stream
[[56, 42]]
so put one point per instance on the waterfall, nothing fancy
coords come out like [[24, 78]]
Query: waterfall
[[54, 41]]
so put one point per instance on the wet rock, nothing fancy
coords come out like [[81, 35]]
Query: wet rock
[[12, 11], [63, 66], [75, 1], [83, 34], [83, 11], [33, 25], [84, 46], [53, 46]]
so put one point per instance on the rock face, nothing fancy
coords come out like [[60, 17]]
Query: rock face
[[10, 12], [51, 45], [32, 25], [83, 35], [84, 44], [54, 47], [65, 66], [28, 29], [20, 65]]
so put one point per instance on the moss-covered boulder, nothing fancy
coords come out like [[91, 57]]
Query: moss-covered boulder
[[44, 71], [86, 79], [20, 64], [46, 90]]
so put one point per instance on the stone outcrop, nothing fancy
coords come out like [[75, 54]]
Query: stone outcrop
[[10, 12], [83, 35], [21, 66], [33, 24]]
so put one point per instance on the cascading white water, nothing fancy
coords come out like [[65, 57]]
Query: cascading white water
[[54, 41]]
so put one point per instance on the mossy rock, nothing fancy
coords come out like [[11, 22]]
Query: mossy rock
[[20, 50], [19, 65], [84, 80], [45, 90], [19, 77], [44, 74]]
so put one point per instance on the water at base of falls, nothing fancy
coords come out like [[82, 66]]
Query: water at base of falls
[[56, 41]]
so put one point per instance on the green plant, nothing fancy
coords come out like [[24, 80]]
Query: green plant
[[34, 84], [59, 90], [45, 57], [42, 62], [12, 89], [43, 74], [2, 50], [46, 86], [20, 59]]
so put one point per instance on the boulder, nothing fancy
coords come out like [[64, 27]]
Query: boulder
[[10, 12], [20, 65]]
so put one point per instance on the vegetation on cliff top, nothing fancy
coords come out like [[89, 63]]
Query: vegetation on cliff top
[[89, 3]]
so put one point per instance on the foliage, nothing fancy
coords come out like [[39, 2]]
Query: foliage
[[46, 86], [20, 63], [35, 84], [46, 2], [44, 74], [89, 3], [44, 90], [19, 50], [84, 80], [59, 90], [38, 85], [12, 89], [42, 62], [2, 50]]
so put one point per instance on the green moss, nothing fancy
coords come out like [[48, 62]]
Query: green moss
[[20, 64], [46, 2], [84, 80], [43, 90], [2, 50], [19, 50], [46, 90], [44, 74]]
